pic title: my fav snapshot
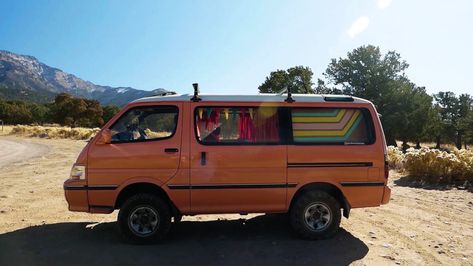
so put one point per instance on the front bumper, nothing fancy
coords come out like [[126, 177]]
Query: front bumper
[[386, 195], [75, 192]]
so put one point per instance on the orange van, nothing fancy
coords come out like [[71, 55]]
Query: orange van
[[314, 157]]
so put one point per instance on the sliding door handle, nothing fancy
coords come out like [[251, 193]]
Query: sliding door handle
[[171, 150], [203, 158]]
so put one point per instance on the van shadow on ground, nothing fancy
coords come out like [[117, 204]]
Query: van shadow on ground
[[262, 240], [406, 181]]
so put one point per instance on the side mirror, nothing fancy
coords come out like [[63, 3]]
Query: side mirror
[[105, 137]]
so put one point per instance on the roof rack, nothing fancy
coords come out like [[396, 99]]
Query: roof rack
[[196, 98]]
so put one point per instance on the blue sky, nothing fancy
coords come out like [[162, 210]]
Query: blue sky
[[231, 46]]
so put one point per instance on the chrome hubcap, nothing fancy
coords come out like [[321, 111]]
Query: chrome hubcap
[[143, 220], [317, 216]]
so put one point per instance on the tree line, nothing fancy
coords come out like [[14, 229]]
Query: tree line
[[66, 110], [408, 112]]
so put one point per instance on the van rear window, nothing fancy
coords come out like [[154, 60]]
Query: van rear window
[[331, 126], [237, 125]]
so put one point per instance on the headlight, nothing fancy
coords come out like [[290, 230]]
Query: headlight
[[78, 172]]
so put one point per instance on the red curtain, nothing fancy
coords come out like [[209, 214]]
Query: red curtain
[[247, 129], [209, 121], [255, 127], [267, 129]]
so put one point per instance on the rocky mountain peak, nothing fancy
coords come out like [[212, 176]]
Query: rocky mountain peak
[[23, 77]]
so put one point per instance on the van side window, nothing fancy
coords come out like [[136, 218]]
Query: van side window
[[331, 126], [237, 125], [145, 123]]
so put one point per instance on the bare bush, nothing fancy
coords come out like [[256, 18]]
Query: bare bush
[[395, 158], [433, 166]]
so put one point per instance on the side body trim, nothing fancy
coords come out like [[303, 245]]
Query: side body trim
[[349, 164], [231, 186], [103, 187], [361, 184]]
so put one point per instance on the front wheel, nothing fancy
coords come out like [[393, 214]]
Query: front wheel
[[315, 215], [144, 218]]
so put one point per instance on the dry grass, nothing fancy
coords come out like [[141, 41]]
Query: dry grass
[[433, 166], [430, 145], [155, 135], [58, 132], [5, 130], [52, 132], [395, 158]]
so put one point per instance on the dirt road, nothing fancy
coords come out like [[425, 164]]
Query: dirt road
[[12, 150], [419, 226]]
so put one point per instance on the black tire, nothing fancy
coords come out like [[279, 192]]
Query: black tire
[[151, 208], [314, 200], [177, 218]]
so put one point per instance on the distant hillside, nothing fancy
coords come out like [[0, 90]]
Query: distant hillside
[[23, 77]]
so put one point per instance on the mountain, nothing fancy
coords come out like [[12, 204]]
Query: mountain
[[23, 77]]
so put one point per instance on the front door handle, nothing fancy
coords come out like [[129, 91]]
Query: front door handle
[[203, 158], [171, 150]]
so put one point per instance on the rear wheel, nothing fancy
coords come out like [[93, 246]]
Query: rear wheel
[[144, 218], [315, 215]]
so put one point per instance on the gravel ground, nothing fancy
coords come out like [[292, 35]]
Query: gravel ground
[[418, 226]]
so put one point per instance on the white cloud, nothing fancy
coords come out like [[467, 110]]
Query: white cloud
[[358, 26], [382, 4]]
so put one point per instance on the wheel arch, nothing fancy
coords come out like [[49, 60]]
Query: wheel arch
[[331, 189], [144, 187]]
